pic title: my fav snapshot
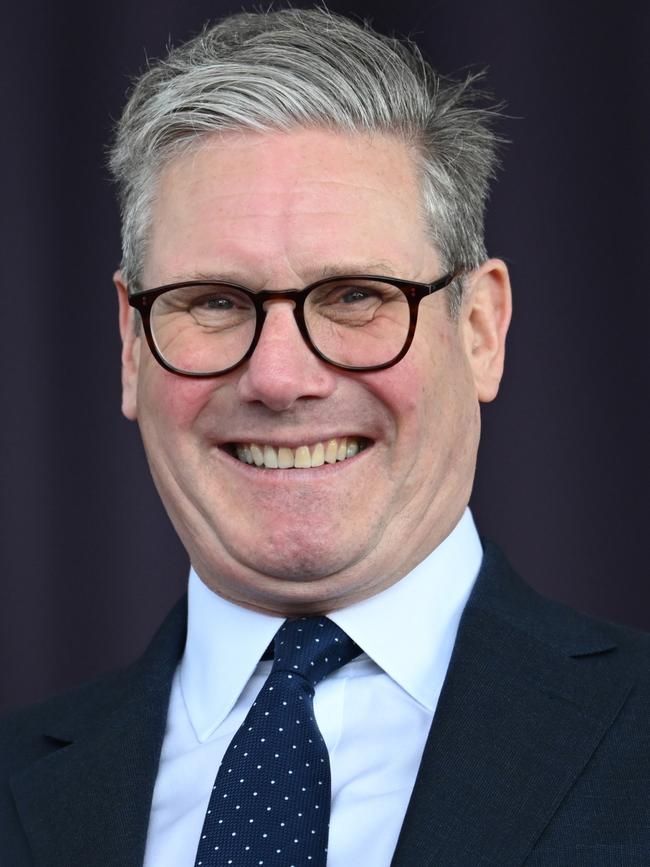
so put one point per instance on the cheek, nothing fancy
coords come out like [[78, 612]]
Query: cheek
[[429, 392], [417, 386], [170, 401]]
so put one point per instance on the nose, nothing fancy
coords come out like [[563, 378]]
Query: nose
[[283, 368]]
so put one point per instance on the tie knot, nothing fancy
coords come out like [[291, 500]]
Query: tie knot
[[313, 647]]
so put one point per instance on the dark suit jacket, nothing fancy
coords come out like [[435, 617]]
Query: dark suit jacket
[[539, 752]]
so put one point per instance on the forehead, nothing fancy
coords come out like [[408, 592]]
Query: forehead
[[262, 203]]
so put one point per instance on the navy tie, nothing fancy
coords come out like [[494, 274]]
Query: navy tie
[[270, 803]]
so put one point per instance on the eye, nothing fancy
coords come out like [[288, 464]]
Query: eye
[[214, 302], [350, 296]]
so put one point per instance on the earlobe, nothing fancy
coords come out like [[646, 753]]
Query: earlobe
[[130, 350], [486, 314]]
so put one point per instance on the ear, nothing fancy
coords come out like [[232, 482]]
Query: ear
[[485, 317], [131, 341]]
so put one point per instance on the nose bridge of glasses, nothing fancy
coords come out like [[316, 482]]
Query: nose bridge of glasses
[[271, 305], [270, 299]]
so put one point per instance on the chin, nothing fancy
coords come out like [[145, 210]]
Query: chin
[[297, 564], [296, 553], [290, 597], [287, 580]]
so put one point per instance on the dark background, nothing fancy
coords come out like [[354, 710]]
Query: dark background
[[89, 562]]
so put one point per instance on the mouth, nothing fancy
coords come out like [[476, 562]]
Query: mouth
[[270, 457]]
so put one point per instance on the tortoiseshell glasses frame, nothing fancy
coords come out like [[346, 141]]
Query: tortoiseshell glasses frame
[[414, 292]]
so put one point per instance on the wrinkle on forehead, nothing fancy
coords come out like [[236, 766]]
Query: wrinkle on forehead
[[302, 145], [279, 208], [311, 274]]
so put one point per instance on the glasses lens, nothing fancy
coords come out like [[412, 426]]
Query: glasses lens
[[360, 323], [202, 328]]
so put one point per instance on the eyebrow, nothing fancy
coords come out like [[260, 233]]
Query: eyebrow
[[338, 269]]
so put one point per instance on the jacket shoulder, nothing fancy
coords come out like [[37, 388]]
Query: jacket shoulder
[[502, 594], [22, 731], [30, 733]]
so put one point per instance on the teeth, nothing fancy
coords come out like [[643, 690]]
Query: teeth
[[285, 458], [244, 454], [270, 457], [304, 457], [331, 451]]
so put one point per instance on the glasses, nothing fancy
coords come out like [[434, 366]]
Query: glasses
[[204, 329]]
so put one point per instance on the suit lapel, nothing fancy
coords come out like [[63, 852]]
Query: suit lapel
[[526, 701], [88, 801], [528, 697]]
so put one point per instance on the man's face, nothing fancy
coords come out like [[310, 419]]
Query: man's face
[[277, 211]]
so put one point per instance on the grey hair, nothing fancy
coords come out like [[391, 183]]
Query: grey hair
[[299, 68]]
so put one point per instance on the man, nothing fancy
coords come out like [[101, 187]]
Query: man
[[309, 323]]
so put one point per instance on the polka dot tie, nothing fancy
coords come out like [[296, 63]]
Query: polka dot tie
[[270, 803]]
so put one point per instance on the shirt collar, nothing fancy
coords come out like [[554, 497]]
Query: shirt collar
[[224, 644], [408, 629]]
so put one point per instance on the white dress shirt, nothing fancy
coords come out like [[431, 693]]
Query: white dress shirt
[[374, 713]]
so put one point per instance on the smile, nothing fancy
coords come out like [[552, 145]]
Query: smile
[[303, 457]]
